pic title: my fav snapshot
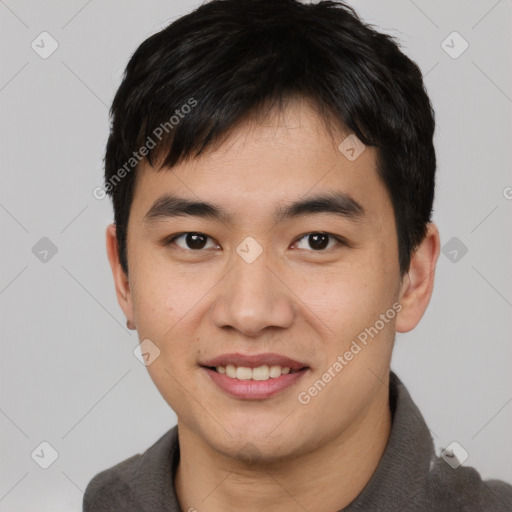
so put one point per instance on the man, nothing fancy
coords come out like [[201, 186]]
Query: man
[[272, 168]]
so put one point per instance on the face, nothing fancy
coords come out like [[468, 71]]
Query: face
[[306, 285]]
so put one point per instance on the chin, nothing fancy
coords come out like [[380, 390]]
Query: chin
[[254, 446]]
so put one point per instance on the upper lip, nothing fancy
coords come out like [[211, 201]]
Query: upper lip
[[254, 360]]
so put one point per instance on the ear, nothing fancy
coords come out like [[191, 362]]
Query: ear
[[122, 284], [418, 282]]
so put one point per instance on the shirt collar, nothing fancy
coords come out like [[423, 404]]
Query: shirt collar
[[403, 470]]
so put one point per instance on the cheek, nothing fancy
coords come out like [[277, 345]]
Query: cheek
[[350, 303], [165, 306], [348, 296], [162, 302]]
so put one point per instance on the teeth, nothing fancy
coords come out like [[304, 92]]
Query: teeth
[[243, 373], [274, 371], [260, 373]]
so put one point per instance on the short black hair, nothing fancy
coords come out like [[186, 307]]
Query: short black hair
[[230, 59]]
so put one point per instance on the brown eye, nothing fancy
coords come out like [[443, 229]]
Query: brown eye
[[319, 241], [192, 241]]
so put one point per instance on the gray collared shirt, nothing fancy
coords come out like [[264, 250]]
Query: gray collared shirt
[[410, 476]]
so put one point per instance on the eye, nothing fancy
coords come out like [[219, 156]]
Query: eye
[[319, 240], [192, 240]]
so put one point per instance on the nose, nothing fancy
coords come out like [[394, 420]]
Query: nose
[[253, 297]]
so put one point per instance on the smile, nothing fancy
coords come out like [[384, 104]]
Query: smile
[[253, 376], [260, 373]]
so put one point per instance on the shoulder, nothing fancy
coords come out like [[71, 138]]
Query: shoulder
[[111, 489], [463, 490], [138, 483]]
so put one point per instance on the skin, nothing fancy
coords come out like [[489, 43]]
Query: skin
[[273, 454]]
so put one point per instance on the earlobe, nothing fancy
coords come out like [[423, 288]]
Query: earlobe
[[121, 282], [418, 283]]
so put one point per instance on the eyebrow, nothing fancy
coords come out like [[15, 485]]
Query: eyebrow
[[337, 203]]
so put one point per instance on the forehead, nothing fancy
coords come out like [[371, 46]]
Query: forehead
[[267, 161]]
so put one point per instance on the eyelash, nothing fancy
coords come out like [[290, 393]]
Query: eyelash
[[342, 242]]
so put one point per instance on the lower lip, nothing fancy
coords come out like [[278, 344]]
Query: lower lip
[[253, 389]]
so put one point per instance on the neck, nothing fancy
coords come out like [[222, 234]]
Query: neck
[[326, 479]]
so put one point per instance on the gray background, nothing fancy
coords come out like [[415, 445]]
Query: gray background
[[69, 376]]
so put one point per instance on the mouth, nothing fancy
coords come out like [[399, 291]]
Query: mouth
[[254, 377], [260, 373]]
